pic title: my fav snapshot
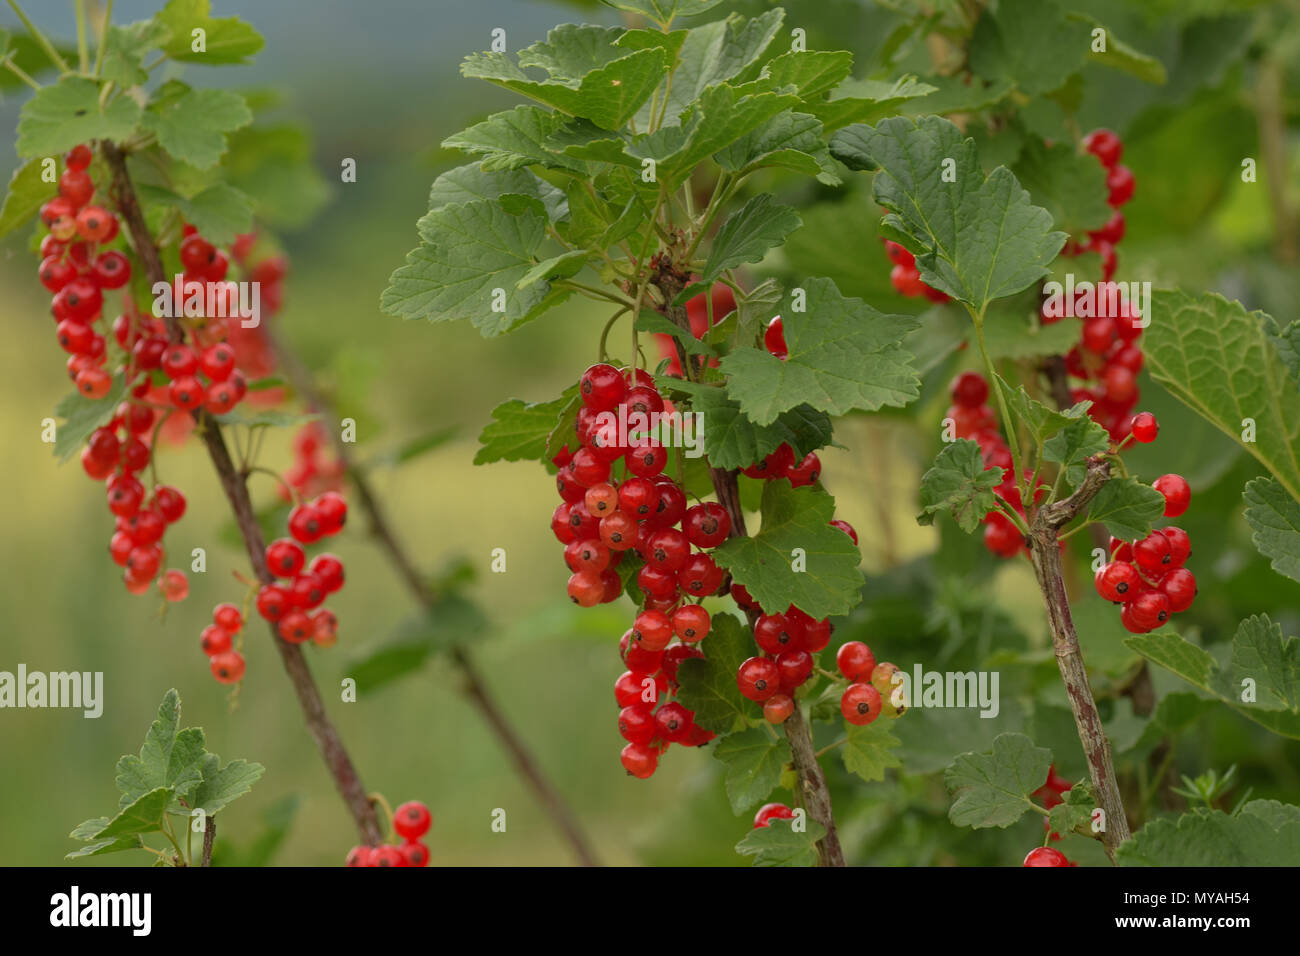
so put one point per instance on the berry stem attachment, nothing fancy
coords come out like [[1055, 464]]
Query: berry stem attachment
[[322, 729], [1046, 556], [378, 799], [811, 789]]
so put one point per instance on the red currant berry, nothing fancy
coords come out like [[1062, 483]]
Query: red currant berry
[[585, 588], [1149, 609], [1046, 856], [387, 856], [174, 586], [169, 502], [668, 550], [308, 591], [295, 627], [707, 525], [758, 678], [589, 468], [217, 362], [329, 570], [673, 722], [640, 760], [1178, 494], [645, 400], [618, 531], [778, 708], [774, 338], [228, 667], [305, 524], [646, 460], [691, 623], [412, 820], [1118, 581], [602, 387], [817, 635], [1179, 586], [1105, 145], [415, 853], [187, 393], [638, 497], [76, 187], [773, 634], [55, 273], [653, 630], [860, 704], [179, 361], [845, 527], [197, 254], [795, 667], [1145, 427], [214, 640], [284, 557], [1180, 545], [227, 617], [855, 660], [1121, 184], [601, 500], [969, 390], [79, 157], [700, 576], [772, 811], [775, 465], [634, 687], [1153, 553]]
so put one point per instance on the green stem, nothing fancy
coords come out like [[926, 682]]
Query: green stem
[[103, 35], [1008, 423], [41, 39], [83, 48], [829, 747], [18, 71], [594, 292], [604, 333]]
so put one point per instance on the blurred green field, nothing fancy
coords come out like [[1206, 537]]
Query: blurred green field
[[550, 666]]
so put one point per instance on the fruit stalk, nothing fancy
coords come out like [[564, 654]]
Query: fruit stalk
[[322, 730], [380, 528], [812, 782], [1046, 555]]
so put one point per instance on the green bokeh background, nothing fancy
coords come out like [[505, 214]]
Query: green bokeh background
[[378, 83]]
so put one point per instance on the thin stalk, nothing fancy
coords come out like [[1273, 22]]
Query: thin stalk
[[103, 35], [41, 39], [83, 47]]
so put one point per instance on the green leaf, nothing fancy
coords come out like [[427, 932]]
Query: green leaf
[[777, 844], [27, 54], [267, 417], [1039, 420], [789, 140], [731, 440], [797, 518], [811, 72], [868, 750], [663, 12], [1261, 654], [26, 194], [169, 758], [61, 116], [959, 484], [1120, 56], [714, 53], [470, 182], [1222, 362], [193, 127], [220, 212], [125, 48], [1257, 639], [226, 40], [867, 101], [468, 252], [754, 762], [1075, 810], [1017, 334], [588, 75], [453, 621], [1275, 517], [1011, 243], [1264, 833], [516, 138], [221, 786], [1077, 441], [658, 324], [1069, 184], [843, 355], [1127, 508], [102, 847], [563, 266], [993, 789], [144, 815], [82, 415], [519, 430], [708, 687], [952, 94], [1030, 42], [747, 235]]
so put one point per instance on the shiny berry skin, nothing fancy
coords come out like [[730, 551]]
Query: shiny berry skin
[[324, 628], [1153, 554], [217, 362], [179, 361], [640, 760], [568, 486], [636, 724], [691, 623], [775, 465], [1001, 536], [125, 496], [1179, 586], [387, 856], [668, 550], [284, 557], [79, 157], [817, 635], [845, 527], [806, 472], [1113, 230], [1131, 625], [1149, 609], [415, 853], [560, 526], [1046, 856], [586, 555], [636, 657], [743, 598], [645, 461], [969, 390], [585, 588], [643, 399], [898, 255], [1178, 494], [1105, 145], [774, 338], [119, 547], [187, 393], [772, 811], [295, 627], [74, 337], [169, 502], [1145, 427], [634, 687], [860, 704], [638, 497], [906, 280], [700, 576], [778, 708], [653, 630], [671, 507], [412, 820], [305, 524], [308, 591], [773, 633], [883, 677], [855, 660], [360, 856], [1180, 545], [220, 398], [76, 187], [588, 468], [273, 602], [228, 618], [673, 722], [657, 584], [332, 511], [707, 525], [758, 678], [55, 273], [601, 500], [1118, 581], [1121, 185], [95, 224], [174, 585], [617, 531], [602, 387], [197, 254], [214, 640], [795, 667], [94, 383], [227, 667]]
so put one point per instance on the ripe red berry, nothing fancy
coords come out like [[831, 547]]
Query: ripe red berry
[[845, 527], [273, 602], [217, 362], [76, 187], [197, 254], [585, 588], [94, 383], [806, 472], [1121, 184], [412, 820], [969, 390], [673, 722], [387, 856], [96, 225], [308, 591], [169, 502], [1046, 856], [707, 525], [636, 723], [860, 704], [1105, 145], [324, 628], [1145, 427], [668, 550], [174, 585], [644, 399], [638, 497], [55, 273], [187, 393], [589, 468], [295, 627], [1153, 553], [758, 678], [332, 512], [305, 524], [284, 557], [602, 387], [179, 361], [1178, 494], [601, 499], [774, 338], [645, 460], [772, 811], [1118, 581], [1179, 586], [774, 633], [618, 531], [700, 576], [227, 617], [640, 760], [795, 667], [817, 635], [228, 667], [778, 708], [639, 659], [775, 465], [653, 630], [691, 623], [415, 853], [79, 157], [112, 270], [1180, 545], [214, 640], [855, 660], [329, 570], [1149, 609], [907, 280]]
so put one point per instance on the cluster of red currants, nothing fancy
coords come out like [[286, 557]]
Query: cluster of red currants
[[872, 686], [1046, 856], [602, 516], [972, 418], [1049, 795], [906, 277], [411, 821], [306, 587], [1107, 356], [218, 642], [1147, 577], [312, 472]]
